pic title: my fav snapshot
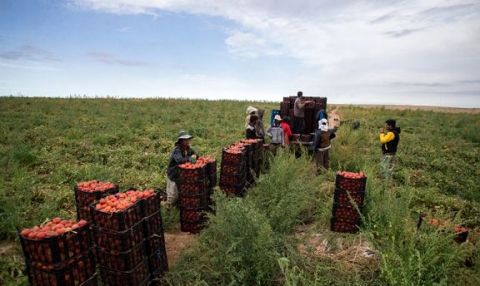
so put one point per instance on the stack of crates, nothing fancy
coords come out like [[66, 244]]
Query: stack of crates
[[88, 192], [254, 149], [348, 201], [233, 170], [195, 189], [211, 172], [311, 110], [59, 260], [154, 236], [120, 244]]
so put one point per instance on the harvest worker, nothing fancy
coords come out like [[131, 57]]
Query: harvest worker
[[182, 153], [250, 132], [250, 111], [299, 113], [276, 132], [287, 132], [389, 141], [321, 145], [259, 128]]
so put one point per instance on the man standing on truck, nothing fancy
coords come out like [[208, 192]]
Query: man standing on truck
[[182, 153], [389, 138], [299, 113]]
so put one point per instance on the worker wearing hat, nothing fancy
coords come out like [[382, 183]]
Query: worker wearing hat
[[182, 153], [276, 133]]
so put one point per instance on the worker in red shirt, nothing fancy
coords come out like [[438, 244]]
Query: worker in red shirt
[[287, 132]]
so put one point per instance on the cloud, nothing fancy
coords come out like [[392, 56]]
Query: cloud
[[108, 58], [401, 33], [345, 47], [30, 53], [249, 45]]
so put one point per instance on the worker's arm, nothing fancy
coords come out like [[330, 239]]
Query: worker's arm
[[178, 157], [385, 138]]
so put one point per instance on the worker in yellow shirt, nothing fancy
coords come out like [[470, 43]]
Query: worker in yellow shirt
[[389, 138]]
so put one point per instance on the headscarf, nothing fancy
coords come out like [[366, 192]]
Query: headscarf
[[323, 125]]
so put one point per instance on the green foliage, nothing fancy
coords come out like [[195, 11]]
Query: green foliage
[[237, 248], [47, 145], [289, 185]]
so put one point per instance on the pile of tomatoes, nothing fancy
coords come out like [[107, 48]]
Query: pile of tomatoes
[[236, 148], [53, 228], [95, 186], [350, 181], [351, 175], [122, 201], [200, 163]]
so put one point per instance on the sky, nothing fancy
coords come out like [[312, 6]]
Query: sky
[[422, 52]]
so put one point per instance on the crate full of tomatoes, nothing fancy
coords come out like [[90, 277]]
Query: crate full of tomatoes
[[139, 275], [193, 220], [55, 250], [350, 181], [88, 192], [210, 170], [120, 211], [233, 169], [348, 201]]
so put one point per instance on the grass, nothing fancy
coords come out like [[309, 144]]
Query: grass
[[47, 145]]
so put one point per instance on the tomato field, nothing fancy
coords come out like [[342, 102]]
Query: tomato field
[[279, 232]]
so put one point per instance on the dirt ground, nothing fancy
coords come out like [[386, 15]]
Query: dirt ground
[[175, 243]]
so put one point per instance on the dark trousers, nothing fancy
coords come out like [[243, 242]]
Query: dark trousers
[[322, 160], [298, 125]]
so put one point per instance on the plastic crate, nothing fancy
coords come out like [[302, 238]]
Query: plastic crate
[[57, 249], [346, 211], [233, 180], [118, 240], [154, 243], [139, 275], [345, 197], [151, 205], [158, 263], [346, 226], [84, 213], [352, 185], [192, 188], [233, 159], [118, 221], [83, 199], [238, 191], [193, 215], [153, 224], [77, 271], [192, 175], [233, 170], [196, 201], [121, 260]]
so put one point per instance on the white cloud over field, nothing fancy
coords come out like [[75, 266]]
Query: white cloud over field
[[348, 48]]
